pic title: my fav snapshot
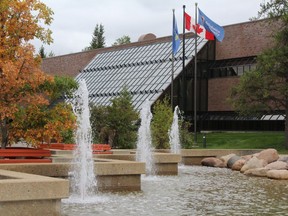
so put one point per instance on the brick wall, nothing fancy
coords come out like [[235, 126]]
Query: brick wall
[[218, 92], [69, 65], [246, 39]]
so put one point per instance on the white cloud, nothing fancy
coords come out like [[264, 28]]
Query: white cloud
[[75, 20]]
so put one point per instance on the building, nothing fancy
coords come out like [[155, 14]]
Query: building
[[145, 68]]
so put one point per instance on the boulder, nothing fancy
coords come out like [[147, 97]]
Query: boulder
[[247, 157], [260, 172], [238, 164], [284, 159], [277, 165], [213, 162], [226, 158], [269, 155], [278, 174], [253, 163], [232, 160]]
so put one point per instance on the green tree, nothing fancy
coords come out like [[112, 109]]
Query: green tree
[[122, 119], [123, 40], [98, 39], [161, 123], [266, 88], [98, 118], [42, 52]]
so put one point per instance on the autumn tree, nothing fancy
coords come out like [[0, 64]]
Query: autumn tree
[[266, 88], [123, 40], [21, 79]]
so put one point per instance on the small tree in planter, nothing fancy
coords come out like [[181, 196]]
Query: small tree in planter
[[161, 123]]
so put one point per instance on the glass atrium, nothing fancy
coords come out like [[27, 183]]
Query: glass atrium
[[144, 70]]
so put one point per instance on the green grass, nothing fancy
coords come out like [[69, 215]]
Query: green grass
[[243, 140]]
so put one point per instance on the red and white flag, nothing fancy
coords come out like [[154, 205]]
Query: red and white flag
[[201, 31], [187, 21]]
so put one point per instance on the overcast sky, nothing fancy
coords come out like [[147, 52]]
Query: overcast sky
[[75, 20]]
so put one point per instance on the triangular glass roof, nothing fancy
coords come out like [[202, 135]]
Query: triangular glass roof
[[145, 70]]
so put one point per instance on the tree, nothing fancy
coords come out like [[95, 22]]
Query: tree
[[42, 52], [266, 88], [98, 39], [123, 40], [100, 131], [121, 120], [52, 121], [20, 75], [161, 123]]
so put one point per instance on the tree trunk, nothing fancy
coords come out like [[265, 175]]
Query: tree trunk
[[4, 132]]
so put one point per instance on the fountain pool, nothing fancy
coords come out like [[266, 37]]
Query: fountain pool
[[195, 191]]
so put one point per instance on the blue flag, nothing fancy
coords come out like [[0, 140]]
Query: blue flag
[[175, 37], [211, 26]]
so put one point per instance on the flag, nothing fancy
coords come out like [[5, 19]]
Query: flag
[[175, 37], [210, 26], [201, 31], [187, 21]]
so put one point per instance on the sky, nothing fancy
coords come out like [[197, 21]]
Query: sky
[[75, 20]]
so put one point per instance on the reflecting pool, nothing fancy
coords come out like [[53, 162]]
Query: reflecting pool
[[195, 191]]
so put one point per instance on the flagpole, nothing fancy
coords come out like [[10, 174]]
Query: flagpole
[[195, 79], [183, 63], [172, 73]]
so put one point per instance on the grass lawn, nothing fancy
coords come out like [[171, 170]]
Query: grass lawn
[[243, 140]]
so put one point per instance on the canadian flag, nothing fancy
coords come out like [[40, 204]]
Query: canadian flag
[[201, 31]]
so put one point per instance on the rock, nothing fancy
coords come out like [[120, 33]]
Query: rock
[[253, 163], [277, 165], [269, 155], [247, 157], [226, 158], [238, 164], [284, 159], [260, 172], [213, 162], [278, 174], [232, 160]]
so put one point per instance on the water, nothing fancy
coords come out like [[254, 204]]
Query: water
[[83, 180], [144, 141], [195, 191], [174, 138]]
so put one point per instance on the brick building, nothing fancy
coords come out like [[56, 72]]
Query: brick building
[[144, 67]]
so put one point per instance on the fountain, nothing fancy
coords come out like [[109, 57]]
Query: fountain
[[83, 179], [196, 191], [144, 141], [174, 138]]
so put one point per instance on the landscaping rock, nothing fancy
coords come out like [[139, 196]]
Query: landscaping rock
[[269, 155], [238, 164], [247, 157], [277, 165], [260, 172], [232, 160], [226, 158], [278, 174], [253, 163], [213, 162], [284, 159]]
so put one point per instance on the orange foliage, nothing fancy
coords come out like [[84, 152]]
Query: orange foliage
[[39, 124], [20, 81]]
